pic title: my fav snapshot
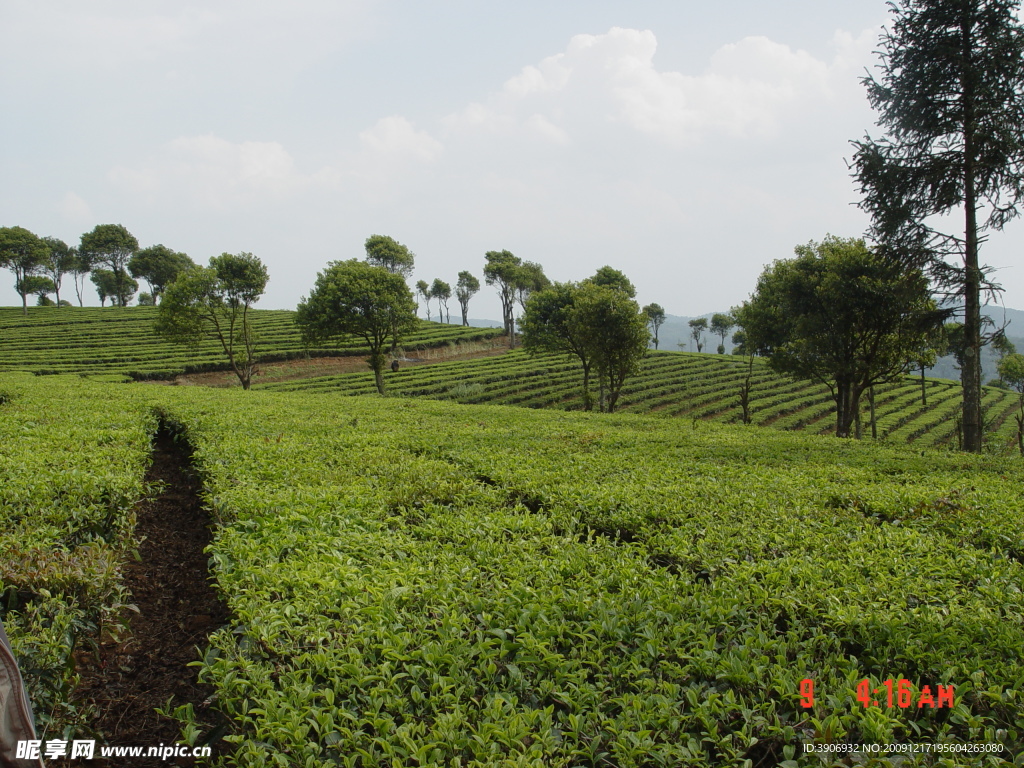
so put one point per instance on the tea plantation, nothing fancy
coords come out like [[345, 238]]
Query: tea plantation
[[121, 340], [694, 386], [423, 583]]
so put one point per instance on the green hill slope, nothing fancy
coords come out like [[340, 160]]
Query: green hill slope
[[96, 340], [686, 385]]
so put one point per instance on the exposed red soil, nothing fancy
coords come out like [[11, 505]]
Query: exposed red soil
[[308, 368], [178, 609]]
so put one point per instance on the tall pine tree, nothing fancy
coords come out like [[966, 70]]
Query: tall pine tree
[[950, 98]]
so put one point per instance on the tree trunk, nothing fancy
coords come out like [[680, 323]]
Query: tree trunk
[[924, 393], [970, 374], [378, 379], [871, 402], [465, 314], [588, 401]]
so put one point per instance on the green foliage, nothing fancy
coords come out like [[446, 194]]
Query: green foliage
[[108, 286], [1011, 371], [386, 252], [441, 291], [37, 285], [442, 584], [71, 470], [613, 278], [449, 584], [698, 326], [465, 289], [599, 325], [214, 302], [59, 261], [841, 315], [352, 298], [93, 340], [159, 266], [951, 98], [655, 318], [721, 324], [23, 253], [503, 270], [112, 246]]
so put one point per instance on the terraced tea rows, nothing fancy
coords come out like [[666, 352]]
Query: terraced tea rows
[[686, 385], [424, 583], [114, 340], [71, 470], [420, 583]]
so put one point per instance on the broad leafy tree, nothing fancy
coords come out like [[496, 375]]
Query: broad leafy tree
[[655, 319], [698, 327], [612, 325], [353, 298], [214, 302], [384, 251], [721, 324], [158, 265], [59, 261], [35, 285], [465, 289], [613, 278], [548, 327], [841, 315], [502, 271], [112, 246], [103, 281], [423, 290], [599, 325], [529, 279], [441, 291], [24, 253], [950, 97], [1011, 372]]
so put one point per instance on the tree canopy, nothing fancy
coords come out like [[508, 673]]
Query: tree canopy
[[384, 251], [23, 253], [951, 99], [441, 291], [841, 315], [465, 289], [655, 319], [599, 325], [502, 271], [214, 301], [353, 298], [112, 246], [721, 324], [58, 262], [158, 265]]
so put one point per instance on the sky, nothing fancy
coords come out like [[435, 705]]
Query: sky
[[687, 144]]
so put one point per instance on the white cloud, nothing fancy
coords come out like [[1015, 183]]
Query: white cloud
[[750, 89], [215, 172], [396, 138]]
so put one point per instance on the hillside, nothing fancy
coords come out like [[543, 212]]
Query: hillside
[[94, 340], [681, 384], [423, 583]]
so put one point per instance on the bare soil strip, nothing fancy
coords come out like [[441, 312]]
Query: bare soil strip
[[307, 368], [178, 609]]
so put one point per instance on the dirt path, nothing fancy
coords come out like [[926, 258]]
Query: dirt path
[[178, 608]]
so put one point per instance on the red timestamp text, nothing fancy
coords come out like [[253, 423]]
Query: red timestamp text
[[890, 693]]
